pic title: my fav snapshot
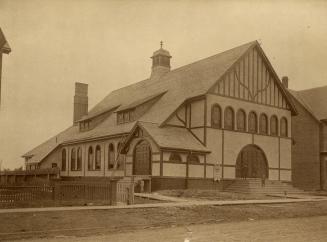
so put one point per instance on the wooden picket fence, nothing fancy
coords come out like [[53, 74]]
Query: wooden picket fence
[[109, 192], [68, 190]]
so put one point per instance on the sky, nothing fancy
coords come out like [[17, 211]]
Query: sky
[[108, 45]]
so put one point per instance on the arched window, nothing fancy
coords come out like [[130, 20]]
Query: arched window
[[111, 156], [283, 127], [120, 157], [73, 159], [193, 159], [274, 125], [63, 160], [90, 159], [98, 157], [79, 159], [216, 116], [241, 120], [263, 124], [229, 118], [175, 157], [253, 123]]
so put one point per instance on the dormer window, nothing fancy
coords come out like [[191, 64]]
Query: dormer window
[[125, 116], [85, 125]]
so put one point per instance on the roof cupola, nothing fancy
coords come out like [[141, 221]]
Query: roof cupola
[[160, 62]]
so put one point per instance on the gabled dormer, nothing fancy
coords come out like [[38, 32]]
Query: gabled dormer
[[91, 121], [133, 111]]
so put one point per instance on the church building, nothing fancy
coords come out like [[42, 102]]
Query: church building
[[227, 116]]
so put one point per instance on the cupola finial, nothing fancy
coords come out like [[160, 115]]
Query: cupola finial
[[161, 44]]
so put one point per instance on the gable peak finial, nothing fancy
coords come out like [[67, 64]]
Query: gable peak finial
[[161, 44]]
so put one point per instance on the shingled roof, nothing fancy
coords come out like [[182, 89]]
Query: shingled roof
[[314, 100], [175, 87]]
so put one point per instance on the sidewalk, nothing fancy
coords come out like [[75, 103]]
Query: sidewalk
[[173, 202]]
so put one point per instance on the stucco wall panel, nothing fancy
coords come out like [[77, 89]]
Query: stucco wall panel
[[214, 143], [176, 170], [196, 171], [285, 153], [269, 145], [234, 142]]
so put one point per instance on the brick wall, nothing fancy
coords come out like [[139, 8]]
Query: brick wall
[[305, 150]]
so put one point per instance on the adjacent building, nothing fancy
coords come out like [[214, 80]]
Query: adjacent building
[[309, 129]]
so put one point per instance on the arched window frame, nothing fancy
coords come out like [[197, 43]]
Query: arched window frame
[[229, 122], [73, 159], [79, 159], [175, 157], [274, 122], [263, 124], [193, 159], [253, 127], [216, 116], [241, 124], [111, 156], [98, 157], [63, 160], [120, 158], [90, 158], [283, 127]]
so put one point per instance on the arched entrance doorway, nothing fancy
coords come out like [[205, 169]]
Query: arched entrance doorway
[[251, 163], [142, 159]]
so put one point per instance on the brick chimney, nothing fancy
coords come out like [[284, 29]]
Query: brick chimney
[[81, 101], [285, 81]]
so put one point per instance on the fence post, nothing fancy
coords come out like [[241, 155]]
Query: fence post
[[113, 192]]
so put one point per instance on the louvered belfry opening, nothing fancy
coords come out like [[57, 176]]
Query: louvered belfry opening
[[160, 62]]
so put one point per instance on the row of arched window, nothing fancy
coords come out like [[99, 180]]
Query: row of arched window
[[93, 158], [250, 123], [175, 157]]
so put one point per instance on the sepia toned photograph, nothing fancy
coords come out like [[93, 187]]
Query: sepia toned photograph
[[177, 121]]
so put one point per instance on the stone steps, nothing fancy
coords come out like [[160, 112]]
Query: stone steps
[[255, 186]]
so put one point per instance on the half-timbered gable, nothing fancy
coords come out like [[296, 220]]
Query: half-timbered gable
[[252, 79]]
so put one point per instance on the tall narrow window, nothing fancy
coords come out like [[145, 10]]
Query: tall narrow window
[[274, 125], [98, 158], [63, 160], [283, 127], [253, 123], [111, 156], [73, 159], [120, 157], [79, 159], [241, 120], [229, 118], [263, 124], [90, 159], [216, 116]]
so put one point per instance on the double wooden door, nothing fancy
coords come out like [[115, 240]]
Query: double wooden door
[[142, 159], [251, 163]]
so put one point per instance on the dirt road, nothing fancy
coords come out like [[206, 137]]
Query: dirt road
[[293, 229]]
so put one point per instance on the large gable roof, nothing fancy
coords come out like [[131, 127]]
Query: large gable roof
[[314, 100], [179, 84]]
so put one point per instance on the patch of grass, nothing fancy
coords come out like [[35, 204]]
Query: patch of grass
[[212, 195]]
